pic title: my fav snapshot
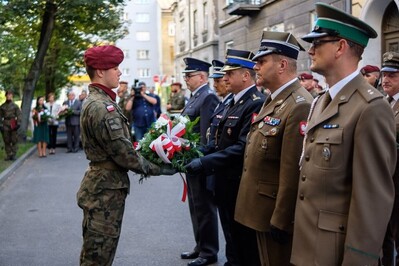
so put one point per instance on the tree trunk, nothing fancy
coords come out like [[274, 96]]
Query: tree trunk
[[47, 29]]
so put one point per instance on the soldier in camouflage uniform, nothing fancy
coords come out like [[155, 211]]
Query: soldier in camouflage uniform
[[10, 120], [105, 139], [124, 96], [177, 100]]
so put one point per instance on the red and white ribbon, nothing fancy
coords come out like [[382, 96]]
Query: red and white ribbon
[[170, 142]]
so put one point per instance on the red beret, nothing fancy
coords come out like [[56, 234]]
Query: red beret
[[176, 84], [103, 57], [369, 69], [305, 76]]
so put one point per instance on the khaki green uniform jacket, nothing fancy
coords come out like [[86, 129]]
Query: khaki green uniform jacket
[[270, 176], [346, 191]]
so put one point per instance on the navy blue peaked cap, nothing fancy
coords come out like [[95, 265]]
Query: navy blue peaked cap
[[217, 69], [275, 42], [236, 59], [193, 65]]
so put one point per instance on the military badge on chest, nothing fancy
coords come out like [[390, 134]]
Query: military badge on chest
[[326, 153]]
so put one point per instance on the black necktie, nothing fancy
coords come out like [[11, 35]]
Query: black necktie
[[390, 99], [231, 104], [326, 101]]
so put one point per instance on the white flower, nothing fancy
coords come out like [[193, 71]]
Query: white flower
[[161, 122], [183, 119]]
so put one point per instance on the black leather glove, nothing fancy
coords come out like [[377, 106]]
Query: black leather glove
[[167, 170], [278, 235], [194, 167]]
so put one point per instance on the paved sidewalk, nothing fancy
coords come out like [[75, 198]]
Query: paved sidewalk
[[40, 223]]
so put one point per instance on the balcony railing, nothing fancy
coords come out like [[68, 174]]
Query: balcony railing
[[243, 7]]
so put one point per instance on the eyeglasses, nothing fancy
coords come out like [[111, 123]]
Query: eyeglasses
[[316, 43], [186, 77]]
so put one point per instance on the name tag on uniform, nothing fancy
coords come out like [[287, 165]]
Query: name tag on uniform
[[329, 126]]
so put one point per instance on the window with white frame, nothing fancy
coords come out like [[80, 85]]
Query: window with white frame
[[229, 45], [142, 17], [126, 72], [195, 20], [141, 1], [171, 28], [205, 16], [125, 16], [313, 18], [144, 72], [142, 36], [143, 54], [126, 53]]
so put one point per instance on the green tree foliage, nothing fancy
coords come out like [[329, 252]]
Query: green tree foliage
[[42, 42]]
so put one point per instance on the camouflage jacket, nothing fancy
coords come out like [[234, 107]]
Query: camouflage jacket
[[122, 104], [9, 111], [177, 101], [106, 140]]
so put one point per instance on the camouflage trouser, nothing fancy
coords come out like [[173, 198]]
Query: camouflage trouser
[[10, 139], [102, 221]]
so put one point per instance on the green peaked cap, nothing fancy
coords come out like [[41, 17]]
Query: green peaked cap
[[335, 22]]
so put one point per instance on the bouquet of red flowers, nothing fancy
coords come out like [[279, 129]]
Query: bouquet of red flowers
[[171, 142], [64, 112]]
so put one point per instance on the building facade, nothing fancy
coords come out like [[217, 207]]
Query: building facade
[[197, 32], [142, 45], [239, 24]]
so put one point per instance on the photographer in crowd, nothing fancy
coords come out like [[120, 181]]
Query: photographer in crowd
[[141, 105]]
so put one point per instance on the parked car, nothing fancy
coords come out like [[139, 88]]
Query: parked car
[[61, 132]]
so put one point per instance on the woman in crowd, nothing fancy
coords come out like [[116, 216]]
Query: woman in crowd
[[54, 109], [40, 115]]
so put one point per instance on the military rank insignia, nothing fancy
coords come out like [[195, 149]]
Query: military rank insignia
[[110, 108], [272, 121], [302, 127]]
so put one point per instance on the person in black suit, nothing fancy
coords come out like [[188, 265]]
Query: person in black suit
[[226, 162], [220, 88], [72, 123], [201, 201]]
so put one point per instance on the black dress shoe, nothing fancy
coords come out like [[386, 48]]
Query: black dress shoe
[[202, 261], [69, 151], [189, 255]]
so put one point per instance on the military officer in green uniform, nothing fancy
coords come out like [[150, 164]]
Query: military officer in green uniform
[[10, 120], [270, 177], [345, 192], [106, 142]]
